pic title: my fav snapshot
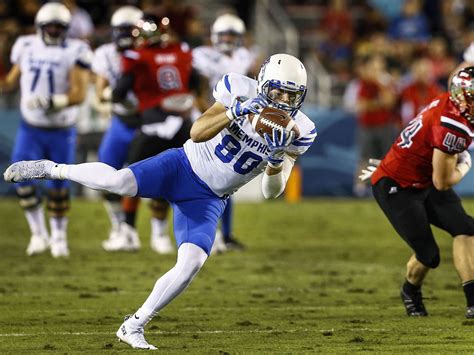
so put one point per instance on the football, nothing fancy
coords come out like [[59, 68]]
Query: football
[[271, 118]]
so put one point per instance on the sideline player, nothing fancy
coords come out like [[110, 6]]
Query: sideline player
[[54, 73], [223, 154], [160, 74], [413, 187], [226, 55], [125, 120]]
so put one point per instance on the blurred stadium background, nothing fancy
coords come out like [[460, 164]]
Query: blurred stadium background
[[332, 37]]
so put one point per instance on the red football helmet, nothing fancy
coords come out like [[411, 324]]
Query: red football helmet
[[462, 92]]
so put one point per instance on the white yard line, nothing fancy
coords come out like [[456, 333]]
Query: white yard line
[[250, 331]]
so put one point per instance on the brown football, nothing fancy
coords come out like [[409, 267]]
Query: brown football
[[271, 118]]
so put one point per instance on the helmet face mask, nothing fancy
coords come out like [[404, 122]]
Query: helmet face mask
[[283, 98], [53, 33], [462, 92], [282, 82], [52, 22], [123, 24], [227, 33], [122, 36]]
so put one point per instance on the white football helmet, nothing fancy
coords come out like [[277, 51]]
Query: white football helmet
[[123, 22], [52, 22], [227, 33], [282, 82]]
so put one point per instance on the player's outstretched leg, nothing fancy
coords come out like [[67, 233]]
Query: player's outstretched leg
[[190, 260], [97, 176]]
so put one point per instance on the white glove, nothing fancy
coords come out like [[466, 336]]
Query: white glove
[[369, 170], [55, 102], [241, 108], [464, 163], [39, 103]]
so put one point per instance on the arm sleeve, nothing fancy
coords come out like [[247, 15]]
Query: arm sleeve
[[274, 185], [124, 84]]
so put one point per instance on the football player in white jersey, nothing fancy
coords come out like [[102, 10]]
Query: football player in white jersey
[[227, 54], [125, 118], [53, 73], [223, 154]]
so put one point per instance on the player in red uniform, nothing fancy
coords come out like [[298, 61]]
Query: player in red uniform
[[412, 185], [161, 76]]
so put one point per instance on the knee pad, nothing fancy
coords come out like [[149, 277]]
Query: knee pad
[[29, 197], [432, 261], [58, 202], [159, 208]]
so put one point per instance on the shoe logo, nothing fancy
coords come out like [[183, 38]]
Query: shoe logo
[[135, 316], [124, 332], [393, 190]]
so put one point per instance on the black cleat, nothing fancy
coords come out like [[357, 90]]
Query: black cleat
[[414, 304], [233, 244], [470, 312]]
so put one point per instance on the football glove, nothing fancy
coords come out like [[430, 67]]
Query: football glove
[[464, 162], [239, 108], [39, 103], [369, 170], [277, 146], [54, 102]]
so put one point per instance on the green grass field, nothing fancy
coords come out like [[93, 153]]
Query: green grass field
[[319, 276]]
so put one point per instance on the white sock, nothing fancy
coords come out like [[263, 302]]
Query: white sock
[[37, 221], [159, 227], [58, 227], [114, 210], [190, 260]]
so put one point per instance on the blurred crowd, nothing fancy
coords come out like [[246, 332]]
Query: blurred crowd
[[90, 20], [387, 58]]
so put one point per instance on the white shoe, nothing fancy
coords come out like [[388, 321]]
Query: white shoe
[[133, 336], [29, 170], [162, 244], [109, 244], [219, 245], [125, 240], [38, 244], [59, 248]]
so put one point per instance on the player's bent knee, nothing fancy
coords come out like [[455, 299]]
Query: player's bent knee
[[58, 202], [191, 257], [123, 183], [28, 197], [431, 261]]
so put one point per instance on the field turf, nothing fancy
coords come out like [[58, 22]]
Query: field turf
[[319, 276]]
